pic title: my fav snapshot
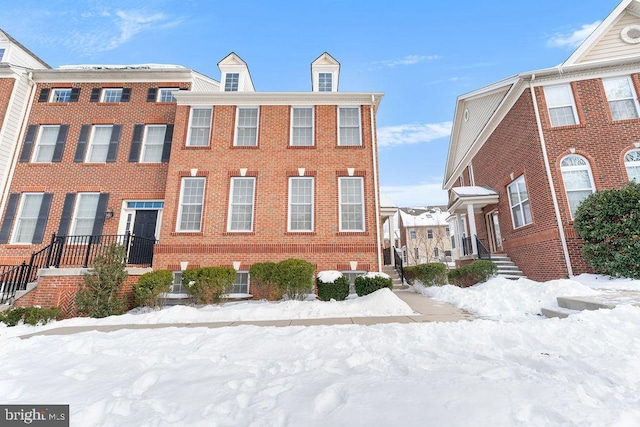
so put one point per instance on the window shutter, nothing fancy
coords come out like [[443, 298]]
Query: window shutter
[[62, 139], [82, 143], [25, 156], [113, 144], [126, 94], [9, 214], [95, 95], [67, 211], [166, 148], [134, 153], [98, 224], [152, 94], [75, 94], [44, 95], [43, 216]]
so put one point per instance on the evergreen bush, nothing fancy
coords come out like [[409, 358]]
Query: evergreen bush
[[294, 278], [208, 285], [30, 315], [263, 285], [410, 273], [337, 290], [372, 282], [477, 272], [432, 274], [150, 286]]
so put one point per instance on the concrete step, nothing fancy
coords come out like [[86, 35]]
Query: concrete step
[[583, 303], [558, 312], [512, 276]]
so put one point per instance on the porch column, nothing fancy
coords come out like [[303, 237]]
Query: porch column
[[471, 218], [392, 240]]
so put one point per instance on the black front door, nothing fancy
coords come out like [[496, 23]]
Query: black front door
[[144, 237]]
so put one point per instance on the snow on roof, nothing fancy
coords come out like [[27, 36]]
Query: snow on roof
[[473, 191], [118, 67], [422, 218], [387, 202]]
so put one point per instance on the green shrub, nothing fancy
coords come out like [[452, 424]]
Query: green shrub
[[370, 283], [432, 274], [100, 296], [30, 315], [150, 285], [477, 272], [294, 278], [208, 285], [263, 284], [410, 273], [337, 290], [609, 223]]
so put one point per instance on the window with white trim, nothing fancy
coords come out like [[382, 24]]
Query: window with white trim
[[429, 233], [325, 82], [351, 192], [112, 95], [247, 127], [177, 287], [632, 164], [85, 214], [561, 105], [578, 180], [436, 252], [1, 54], [27, 218], [241, 199], [241, 284], [191, 203], [519, 203], [412, 234], [623, 102], [231, 81], [165, 94], [99, 144], [352, 274], [301, 204], [302, 126], [153, 143], [46, 144], [200, 127], [349, 126], [60, 95]]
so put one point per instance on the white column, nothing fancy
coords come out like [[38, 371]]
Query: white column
[[392, 239], [472, 228]]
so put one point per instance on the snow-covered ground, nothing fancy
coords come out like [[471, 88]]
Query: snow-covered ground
[[511, 370]]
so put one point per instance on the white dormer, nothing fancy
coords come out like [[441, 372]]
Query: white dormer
[[234, 75], [325, 73], [14, 53]]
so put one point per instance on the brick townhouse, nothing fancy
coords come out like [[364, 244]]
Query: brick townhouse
[[525, 151], [217, 173]]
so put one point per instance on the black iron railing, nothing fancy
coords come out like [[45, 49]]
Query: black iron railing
[[467, 247], [11, 279], [483, 252], [399, 267]]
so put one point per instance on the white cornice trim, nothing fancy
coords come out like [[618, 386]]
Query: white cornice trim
[[98, 76], [277, 98]]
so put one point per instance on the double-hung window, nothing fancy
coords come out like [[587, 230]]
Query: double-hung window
[[519, 203], [191, 203], [302, 126], [632, 164], [247, 127], [622, 99], [241, 199], [99, 144], [61, 95], [351, 195], [112, 95], [200, 127], [561, 105], [301, 204], [578, 181], [412, 234], [231, 82], [349, 126], [27, 218], [46, 144], [429, 233], [85, 214], [166, 94], [153, 143], [241, 284], [325, 82]]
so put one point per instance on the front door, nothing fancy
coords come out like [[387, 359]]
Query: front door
[[144, 237], [493, 227]]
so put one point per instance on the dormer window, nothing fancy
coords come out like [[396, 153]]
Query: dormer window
[[325, 82], [231, 82], [325, 74]]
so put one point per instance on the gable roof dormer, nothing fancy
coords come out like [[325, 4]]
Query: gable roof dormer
[[325, 74], [14, 53], [235, 75]]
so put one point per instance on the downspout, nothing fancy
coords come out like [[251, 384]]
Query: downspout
[[556, 207], [374, 149]]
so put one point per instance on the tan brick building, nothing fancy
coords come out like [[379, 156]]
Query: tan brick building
[[526, 150]]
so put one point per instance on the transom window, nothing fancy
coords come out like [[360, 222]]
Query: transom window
[[247, 128], [325, 82], [61, 95], [622, 98], [349, 127], [153, 143], [200, 127], [241, 204], [519, 203], [85, 214], [27, 218], [231, 82], [561, 106], [112, 95], [46, 144], [241, 285], [578, 181], [302, 126], [99, 144], [166, 94], [301, 204], [632, 164], [191, 201], [351, 204]]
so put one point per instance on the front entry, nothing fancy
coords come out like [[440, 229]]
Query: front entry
[[144, 237], [493, 227]]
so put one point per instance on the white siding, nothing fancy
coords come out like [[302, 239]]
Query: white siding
[[201, 84], [610, 44]]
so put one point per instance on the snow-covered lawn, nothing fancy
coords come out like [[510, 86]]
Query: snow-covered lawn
[[508, 371]]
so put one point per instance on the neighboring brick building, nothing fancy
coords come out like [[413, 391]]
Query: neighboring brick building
[[424, 235], [219, 174], [526, 150]]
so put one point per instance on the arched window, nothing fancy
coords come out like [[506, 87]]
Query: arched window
[[578, 181], [632, 163]]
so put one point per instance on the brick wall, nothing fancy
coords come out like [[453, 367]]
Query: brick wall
[[6, 88]]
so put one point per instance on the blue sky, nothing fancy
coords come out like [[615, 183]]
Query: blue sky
[[421, 54]]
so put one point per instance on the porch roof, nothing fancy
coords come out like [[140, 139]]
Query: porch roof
[[479, 197]]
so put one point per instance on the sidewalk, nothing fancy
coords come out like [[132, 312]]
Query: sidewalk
[[427, 310]]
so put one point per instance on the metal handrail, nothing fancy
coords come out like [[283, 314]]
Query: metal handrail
[[483, 252]]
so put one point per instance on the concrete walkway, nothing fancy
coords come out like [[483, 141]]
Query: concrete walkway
[[427, 310]]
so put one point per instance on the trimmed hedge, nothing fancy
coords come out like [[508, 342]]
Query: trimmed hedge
[[294, 278], [430, 274], [263, 284], [337, 290], [367, 284], [149, 287], [30, 315], [410, 273], [477, 272], [208, 285]]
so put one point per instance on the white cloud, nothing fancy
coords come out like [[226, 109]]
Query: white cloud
[[407, 60], [574, 38], [416, 195], [413, 133]]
